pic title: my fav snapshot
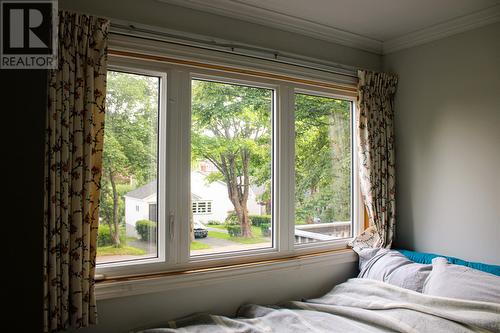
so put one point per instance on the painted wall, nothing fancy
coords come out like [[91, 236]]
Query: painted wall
[[448, 145], [159, 14], [123, 314]]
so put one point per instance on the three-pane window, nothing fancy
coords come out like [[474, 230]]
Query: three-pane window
[[243, 168]]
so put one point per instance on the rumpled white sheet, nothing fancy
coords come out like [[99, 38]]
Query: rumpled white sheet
[[358, 305]]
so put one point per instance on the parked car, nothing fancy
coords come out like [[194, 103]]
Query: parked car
[[199, 230]]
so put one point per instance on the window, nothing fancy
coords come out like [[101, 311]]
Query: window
[[129, 178], [202, 207], [323, 169], [216, 166], [231, 150]]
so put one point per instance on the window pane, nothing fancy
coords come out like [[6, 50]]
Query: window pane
[[128, 211], [231, 149], [322, 169]]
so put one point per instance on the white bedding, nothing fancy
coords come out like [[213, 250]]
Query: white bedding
[[358, 305]]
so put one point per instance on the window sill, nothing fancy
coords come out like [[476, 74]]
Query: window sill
[[159, 282]]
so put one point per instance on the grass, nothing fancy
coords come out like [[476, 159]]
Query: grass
[[257, 237], [218, 226], [256, 231], [199, 246], [115, 251]]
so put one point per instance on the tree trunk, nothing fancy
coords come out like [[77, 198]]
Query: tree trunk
[[238, 185], [238, 188], [244, 218], [268, 207], [115, 232]]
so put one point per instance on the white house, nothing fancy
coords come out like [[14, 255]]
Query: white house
[[209, 201]]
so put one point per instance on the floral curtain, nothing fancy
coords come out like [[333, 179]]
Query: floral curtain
[[375, 124], [73, 148]]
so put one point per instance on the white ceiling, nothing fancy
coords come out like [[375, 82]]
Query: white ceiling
[[376, 25], [378, 19]]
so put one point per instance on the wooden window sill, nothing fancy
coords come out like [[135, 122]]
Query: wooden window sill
[[163, 281]]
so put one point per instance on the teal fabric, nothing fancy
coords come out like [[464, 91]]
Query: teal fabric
[[426, 258]]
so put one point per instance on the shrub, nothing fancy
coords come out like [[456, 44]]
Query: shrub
[[265, 228], [233, 230], [146, 230], [232, 218], [214, 222], [233, 225], [258, 220], [104, 236]]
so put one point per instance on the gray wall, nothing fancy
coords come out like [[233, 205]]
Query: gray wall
[[159, 14], [123, 314], [448, 145]]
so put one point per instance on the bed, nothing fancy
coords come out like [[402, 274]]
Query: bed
[[384, 298]]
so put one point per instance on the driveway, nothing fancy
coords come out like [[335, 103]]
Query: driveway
[[215, 242]]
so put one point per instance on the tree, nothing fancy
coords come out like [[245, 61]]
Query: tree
[[231, 127], [130, 142], [323, 158]]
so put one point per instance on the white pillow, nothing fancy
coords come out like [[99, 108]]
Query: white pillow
[[455, 281], [392, 267]]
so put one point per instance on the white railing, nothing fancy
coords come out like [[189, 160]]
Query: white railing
[[307, 233]]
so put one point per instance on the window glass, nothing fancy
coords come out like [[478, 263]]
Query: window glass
[[128, 209], [231, 178], [323, 181]]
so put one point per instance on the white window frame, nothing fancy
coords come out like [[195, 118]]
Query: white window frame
[[174, 153]]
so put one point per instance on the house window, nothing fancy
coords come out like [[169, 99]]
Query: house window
[[223, 166], [130, 170], [202, 207]]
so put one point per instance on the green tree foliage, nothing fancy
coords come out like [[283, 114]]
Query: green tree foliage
[[231, 127], [323, 159], [130, 143]]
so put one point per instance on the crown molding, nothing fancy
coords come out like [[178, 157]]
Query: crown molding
[[274, 19], [454, 26]]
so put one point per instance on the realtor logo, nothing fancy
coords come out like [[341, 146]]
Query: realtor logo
[[28, 37]]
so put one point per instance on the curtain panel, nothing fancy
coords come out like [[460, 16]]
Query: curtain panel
[[73, 154], [375, 125]]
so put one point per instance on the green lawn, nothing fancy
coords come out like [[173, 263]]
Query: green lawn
[[218, 226], [199, 246], [114, 251], [256, 232]]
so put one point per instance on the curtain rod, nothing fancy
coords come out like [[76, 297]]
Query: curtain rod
[[208, 43]]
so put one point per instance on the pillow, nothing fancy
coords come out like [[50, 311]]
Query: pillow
[[392, 267], [455, 281], [426, 258]]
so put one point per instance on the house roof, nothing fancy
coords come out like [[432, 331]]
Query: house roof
[[143, 191]]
